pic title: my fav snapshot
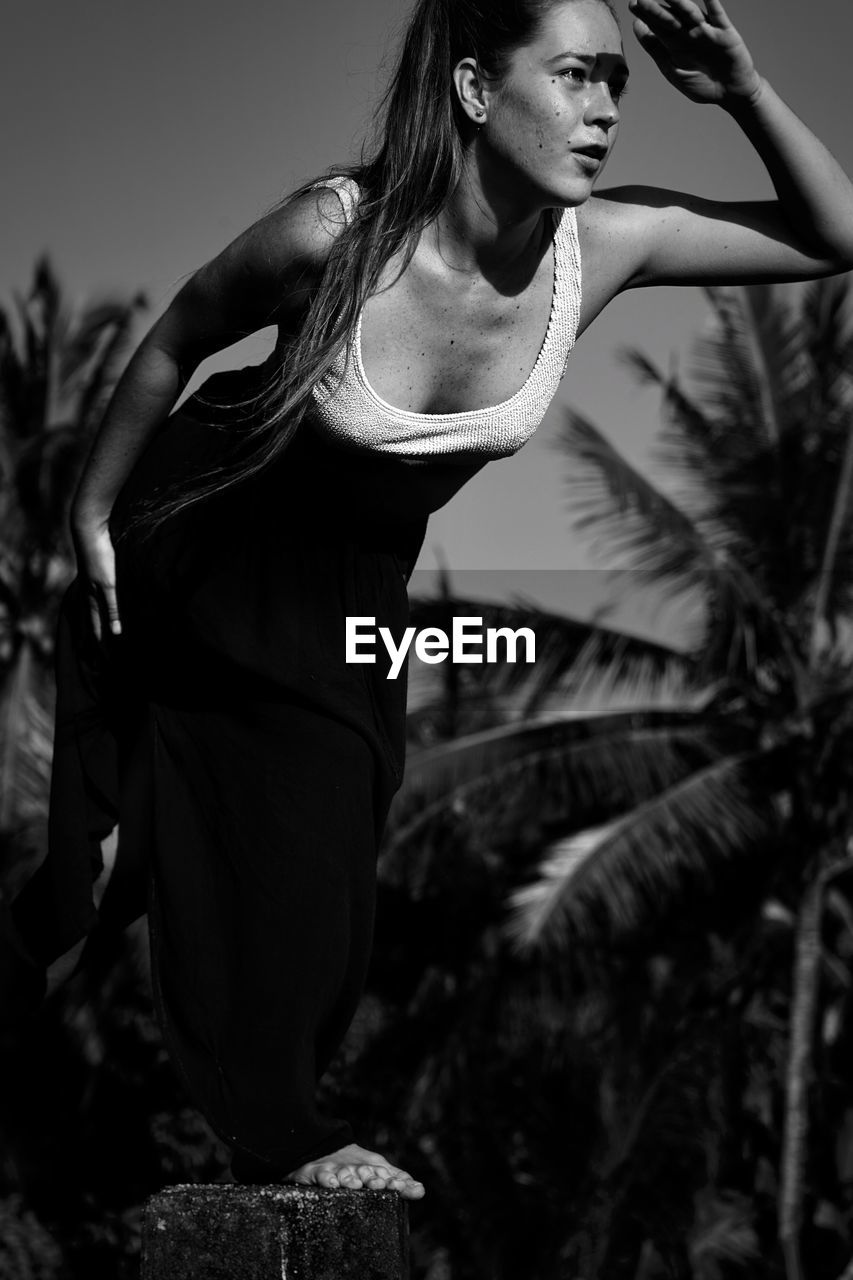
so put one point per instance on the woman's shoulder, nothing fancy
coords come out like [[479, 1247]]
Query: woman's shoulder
[[633, 210], [301, 233], [614, 226], [610, 237], [607, 211], [269, 272]]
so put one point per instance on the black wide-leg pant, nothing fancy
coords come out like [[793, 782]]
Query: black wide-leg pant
[[262, 930], [250, 769]]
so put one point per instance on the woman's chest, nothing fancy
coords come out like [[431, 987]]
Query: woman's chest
[[437, 343]]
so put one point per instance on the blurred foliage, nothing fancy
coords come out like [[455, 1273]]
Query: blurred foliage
[[27, 1250]]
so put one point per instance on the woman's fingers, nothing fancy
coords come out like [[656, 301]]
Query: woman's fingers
[[652, 13], [112, 608], [97, 565], [674, 18], [717, 14], [103, 607], [650, 42], [103, 610], [696, 49], [687, 12]]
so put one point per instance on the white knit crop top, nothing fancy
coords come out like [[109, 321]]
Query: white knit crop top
[[349, 412]]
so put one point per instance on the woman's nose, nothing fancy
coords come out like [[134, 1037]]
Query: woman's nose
[[602, 108]]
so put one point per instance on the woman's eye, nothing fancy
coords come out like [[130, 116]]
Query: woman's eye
[[575, 73], [618, 91]]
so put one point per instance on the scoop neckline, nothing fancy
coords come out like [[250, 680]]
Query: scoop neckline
[[557, 216]]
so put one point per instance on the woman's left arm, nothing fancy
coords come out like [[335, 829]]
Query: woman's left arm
[[677, 239]]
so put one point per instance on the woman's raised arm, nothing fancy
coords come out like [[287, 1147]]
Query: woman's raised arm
[[264, 277], [665, 237]]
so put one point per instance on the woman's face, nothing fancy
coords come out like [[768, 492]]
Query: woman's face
[[552, 119]]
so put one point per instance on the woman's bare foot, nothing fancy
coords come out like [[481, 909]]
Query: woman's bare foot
[[353, 1167]]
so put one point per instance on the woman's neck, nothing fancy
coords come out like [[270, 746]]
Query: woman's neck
[[478, 234]]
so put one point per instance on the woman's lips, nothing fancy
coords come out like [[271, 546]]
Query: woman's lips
[[588, 161]]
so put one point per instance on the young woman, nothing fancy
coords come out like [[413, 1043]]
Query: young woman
[[427, 302]]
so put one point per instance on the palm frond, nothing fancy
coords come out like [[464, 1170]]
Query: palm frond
[[840, 517], [517, 689], [114, 322], [33, 345], [764, 490], [46, 474], [825, 323], [695, 430], [610, 881], [87, 337], [554, 773], [727, 367], [45, 295], [720, 475], [783, 367], [605, 679], [55, 375], [34, 365], [839, 604], [12, 382], [723, 1233], [26, 743], [641, 524]]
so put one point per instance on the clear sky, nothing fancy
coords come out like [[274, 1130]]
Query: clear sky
[[139, 138]]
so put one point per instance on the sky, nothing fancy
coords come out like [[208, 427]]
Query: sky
[[140, 138]]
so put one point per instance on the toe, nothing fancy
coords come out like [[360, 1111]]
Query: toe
[[409, 1187], [327, 1178]]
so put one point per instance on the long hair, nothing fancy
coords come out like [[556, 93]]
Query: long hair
[[417, 161]]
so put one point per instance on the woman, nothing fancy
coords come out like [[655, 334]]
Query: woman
[[427, 302]]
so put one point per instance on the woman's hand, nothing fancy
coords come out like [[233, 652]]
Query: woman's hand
[[96, 564], [699, 51]]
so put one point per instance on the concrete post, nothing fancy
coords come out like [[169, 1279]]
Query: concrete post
[[232, 1232]]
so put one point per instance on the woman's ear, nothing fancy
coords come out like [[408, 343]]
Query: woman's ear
[[471, 91]]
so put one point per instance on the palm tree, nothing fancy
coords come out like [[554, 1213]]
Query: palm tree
[[767, 454], [58, 366], [705, 778]]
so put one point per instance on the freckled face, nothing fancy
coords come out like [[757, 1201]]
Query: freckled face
[[552, 120]]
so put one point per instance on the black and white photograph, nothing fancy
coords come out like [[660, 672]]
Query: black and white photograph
[[426, 640]]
